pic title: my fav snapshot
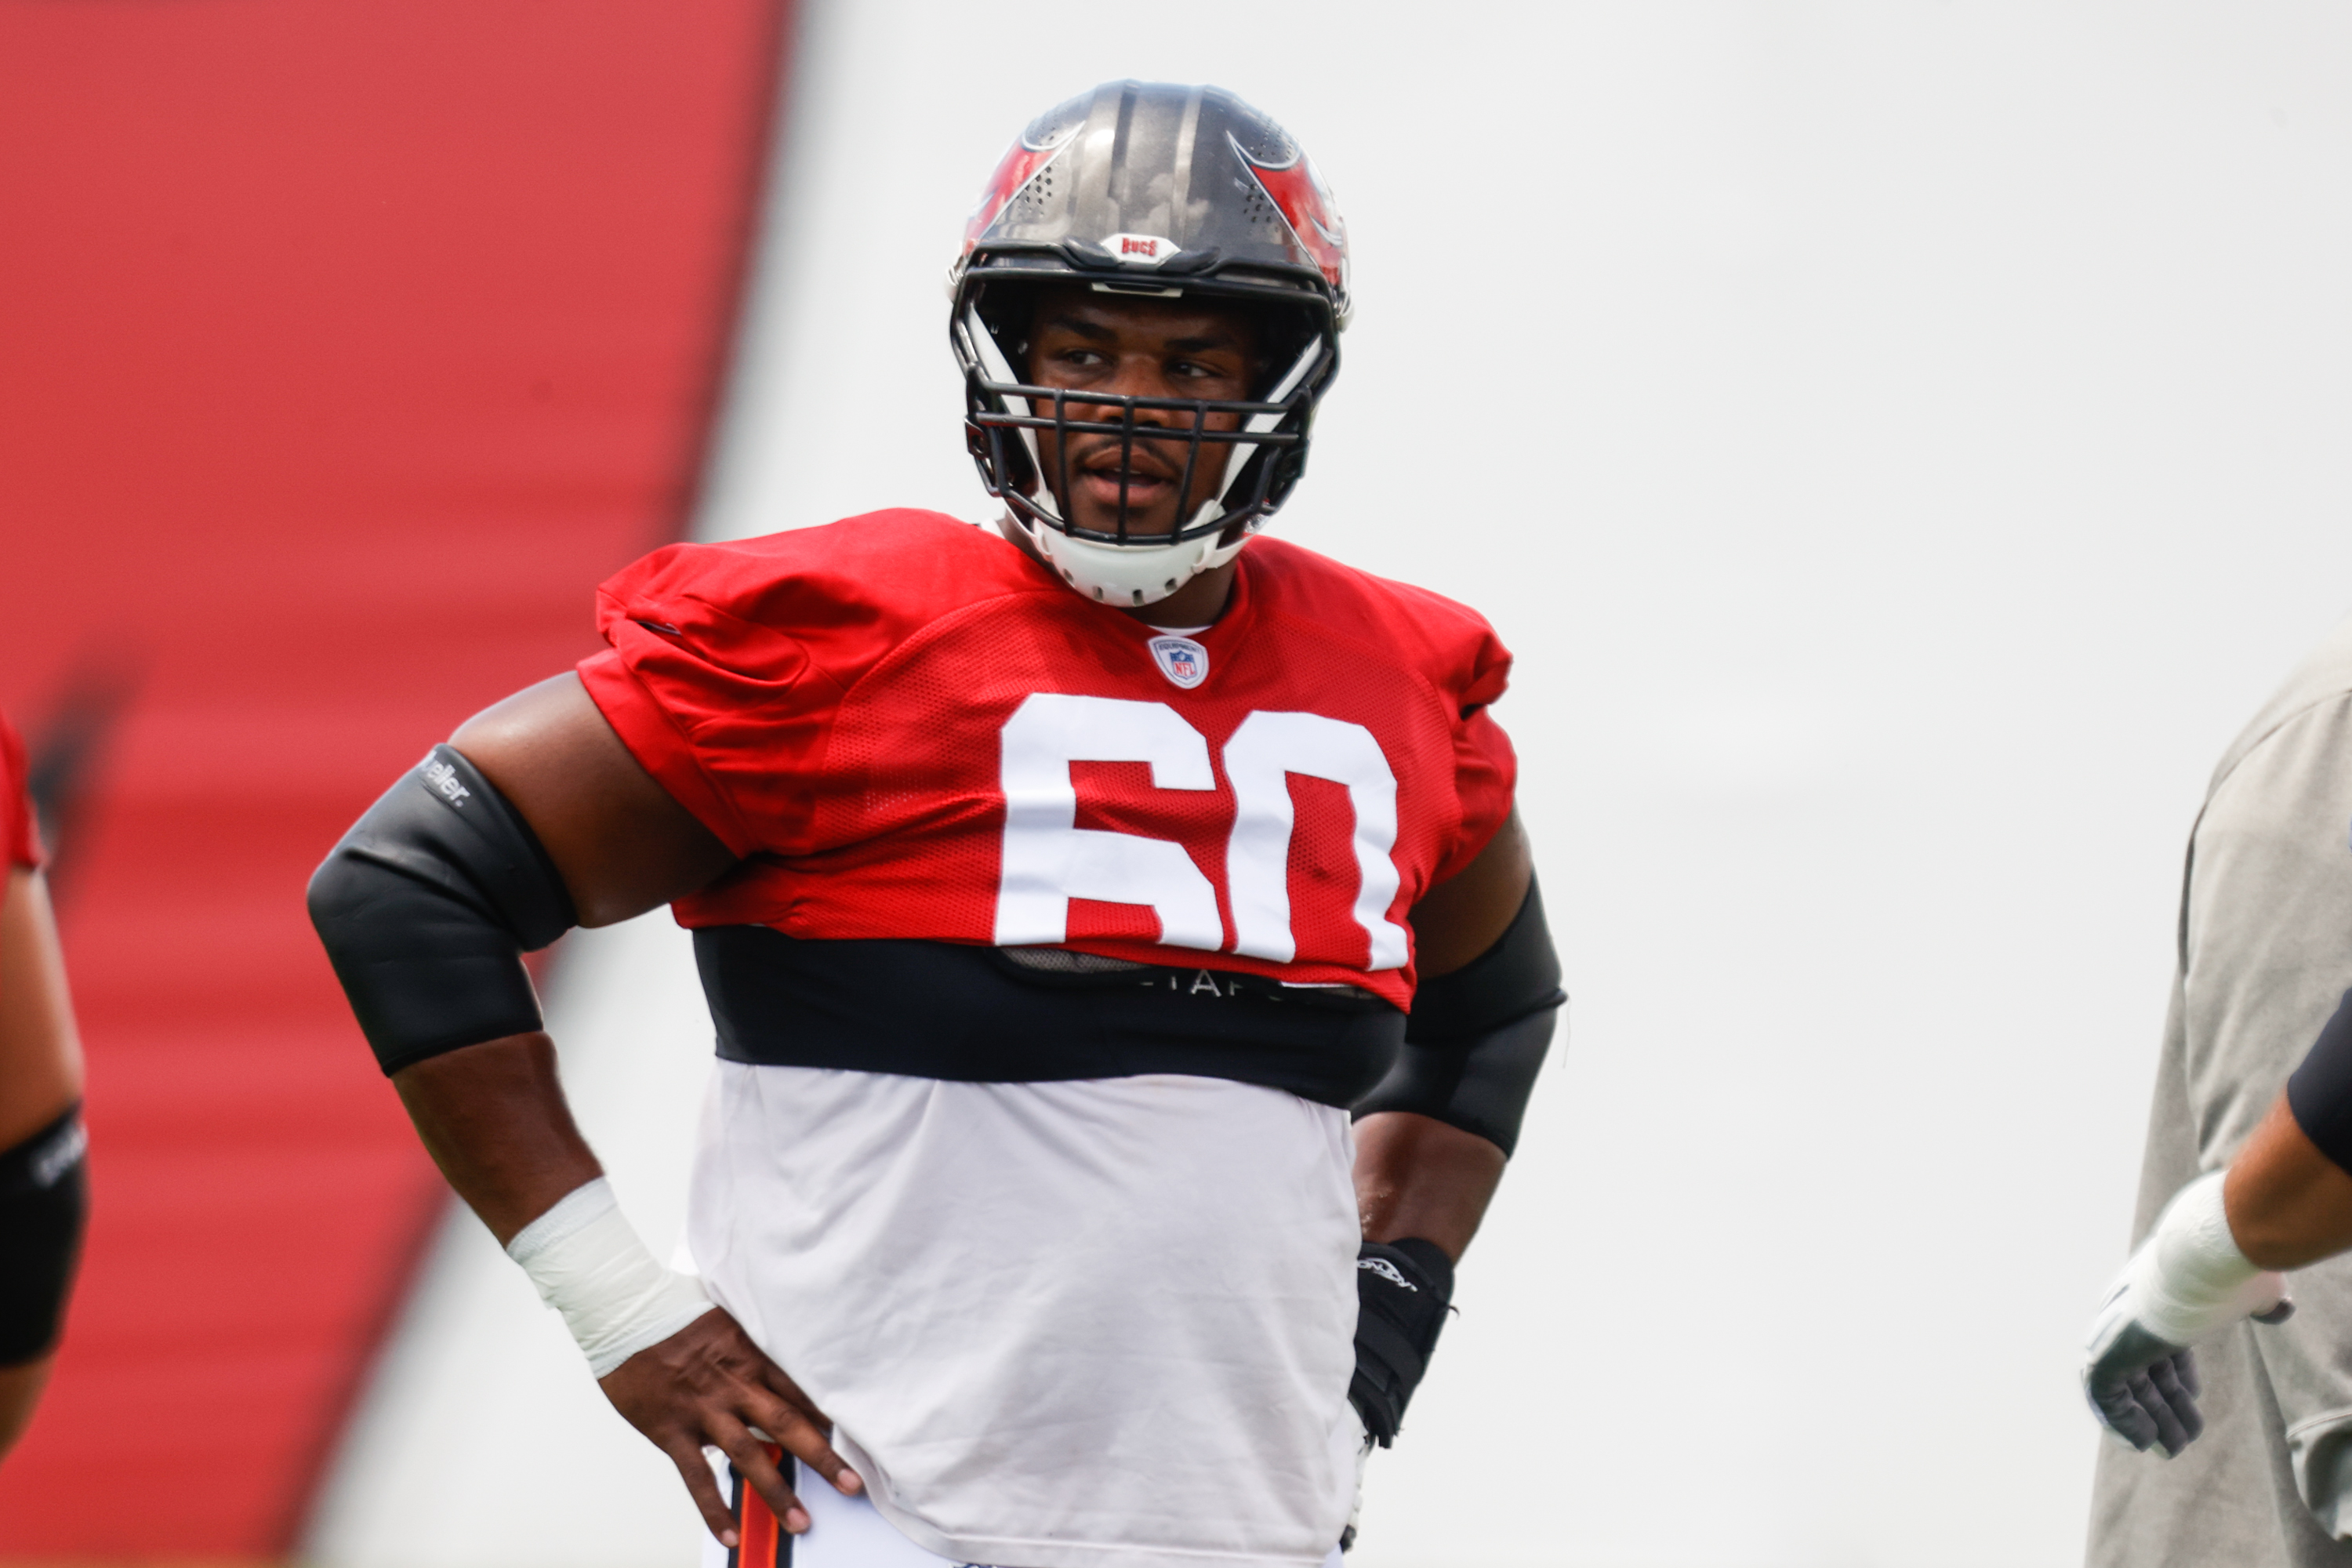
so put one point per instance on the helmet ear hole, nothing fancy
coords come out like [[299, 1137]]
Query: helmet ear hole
[[1284, 334], [1007, 308]]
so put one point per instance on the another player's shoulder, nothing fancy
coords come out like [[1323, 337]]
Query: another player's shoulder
[[1446, 638], [886, 573]]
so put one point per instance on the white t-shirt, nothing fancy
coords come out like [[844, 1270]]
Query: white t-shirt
[[1097, 1324]]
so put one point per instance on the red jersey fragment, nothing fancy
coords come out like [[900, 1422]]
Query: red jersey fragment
[[20, 839]]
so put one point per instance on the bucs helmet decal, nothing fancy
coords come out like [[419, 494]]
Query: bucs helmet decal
[[1023, 164], [1308, 207]]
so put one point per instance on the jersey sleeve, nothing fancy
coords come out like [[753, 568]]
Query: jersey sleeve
[[1486, 768], [18, 835], [729, 662], [722, 706]]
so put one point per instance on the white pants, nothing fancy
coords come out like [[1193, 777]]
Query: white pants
[[842, 1533]]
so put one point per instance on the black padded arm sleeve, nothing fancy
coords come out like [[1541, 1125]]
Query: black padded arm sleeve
[[2319, 1093], [44, 1201], [426, 907], [1476, 1038]]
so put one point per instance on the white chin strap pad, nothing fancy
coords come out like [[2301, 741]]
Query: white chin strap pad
[[1128, 575], [589, 1265]]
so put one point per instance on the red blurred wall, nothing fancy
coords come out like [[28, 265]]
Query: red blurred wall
[[342, 349]]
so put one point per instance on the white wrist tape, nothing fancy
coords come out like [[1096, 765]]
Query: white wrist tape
[[615, 1296], [2188, 1278]]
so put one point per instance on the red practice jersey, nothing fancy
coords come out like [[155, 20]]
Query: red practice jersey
[[909, 728], [18, 836]]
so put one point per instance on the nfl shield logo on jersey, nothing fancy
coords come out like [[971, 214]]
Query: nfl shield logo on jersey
[[1182, 660]]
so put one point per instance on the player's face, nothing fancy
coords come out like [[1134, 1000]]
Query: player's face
[[1131, 347]]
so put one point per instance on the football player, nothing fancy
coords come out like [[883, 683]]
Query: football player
[[1059, 890], [43, 1184], [2245, 1177]]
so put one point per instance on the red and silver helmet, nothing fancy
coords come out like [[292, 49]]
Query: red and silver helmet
[[1165, 191]]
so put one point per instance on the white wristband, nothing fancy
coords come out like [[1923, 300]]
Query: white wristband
[[2192, 1277], [615, 1296]]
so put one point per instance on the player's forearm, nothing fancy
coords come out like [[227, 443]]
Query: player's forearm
[[494, 1119], [40, 1055], [20, 1391], [1416, 1176], [2288, 1204], [2288, 1198]]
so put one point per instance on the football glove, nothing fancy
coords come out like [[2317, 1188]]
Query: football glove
[[2186, 1282]]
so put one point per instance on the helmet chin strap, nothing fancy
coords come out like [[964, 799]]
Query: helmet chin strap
[[1128, 575]]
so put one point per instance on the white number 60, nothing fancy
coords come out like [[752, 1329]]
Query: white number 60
[[1049, 859]]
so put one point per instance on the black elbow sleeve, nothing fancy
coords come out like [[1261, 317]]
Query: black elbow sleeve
[[2319, 1093], [1476, 1038], [426, 907], [44, 1203]]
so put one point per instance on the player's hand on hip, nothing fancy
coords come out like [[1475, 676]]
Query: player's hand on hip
[[2186, 1282], [709, 1385]]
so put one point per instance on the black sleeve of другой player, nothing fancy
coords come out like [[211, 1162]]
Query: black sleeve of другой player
[[43, 1206]]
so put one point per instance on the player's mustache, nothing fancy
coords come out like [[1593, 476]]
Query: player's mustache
[[1146, 457]]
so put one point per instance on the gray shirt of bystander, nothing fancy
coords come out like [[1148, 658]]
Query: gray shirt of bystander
[[2266, 953]]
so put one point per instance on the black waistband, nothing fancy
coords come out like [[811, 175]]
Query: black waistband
[[937, 1009]]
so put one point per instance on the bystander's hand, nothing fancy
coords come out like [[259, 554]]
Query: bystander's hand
[[2187, 1281]]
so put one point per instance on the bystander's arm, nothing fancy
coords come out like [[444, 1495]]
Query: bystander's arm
[[40, 1082], [2288, 1204]]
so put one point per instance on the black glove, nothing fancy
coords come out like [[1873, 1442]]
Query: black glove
[[1402, 1291], [2145, 1391]]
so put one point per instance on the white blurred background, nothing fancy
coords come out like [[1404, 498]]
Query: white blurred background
[[1902, 442]]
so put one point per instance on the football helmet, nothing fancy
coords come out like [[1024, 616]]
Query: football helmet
[[1168, 192]]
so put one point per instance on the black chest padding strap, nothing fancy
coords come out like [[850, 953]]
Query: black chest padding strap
[[1402, 1289], [1476, 1038], [2319, 1093], [426, 907], [988, 1015], [43, 1203]]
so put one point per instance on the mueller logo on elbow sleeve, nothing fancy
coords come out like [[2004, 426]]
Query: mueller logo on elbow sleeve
[[1388, 1271], [52, 1161], [442, 779]]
